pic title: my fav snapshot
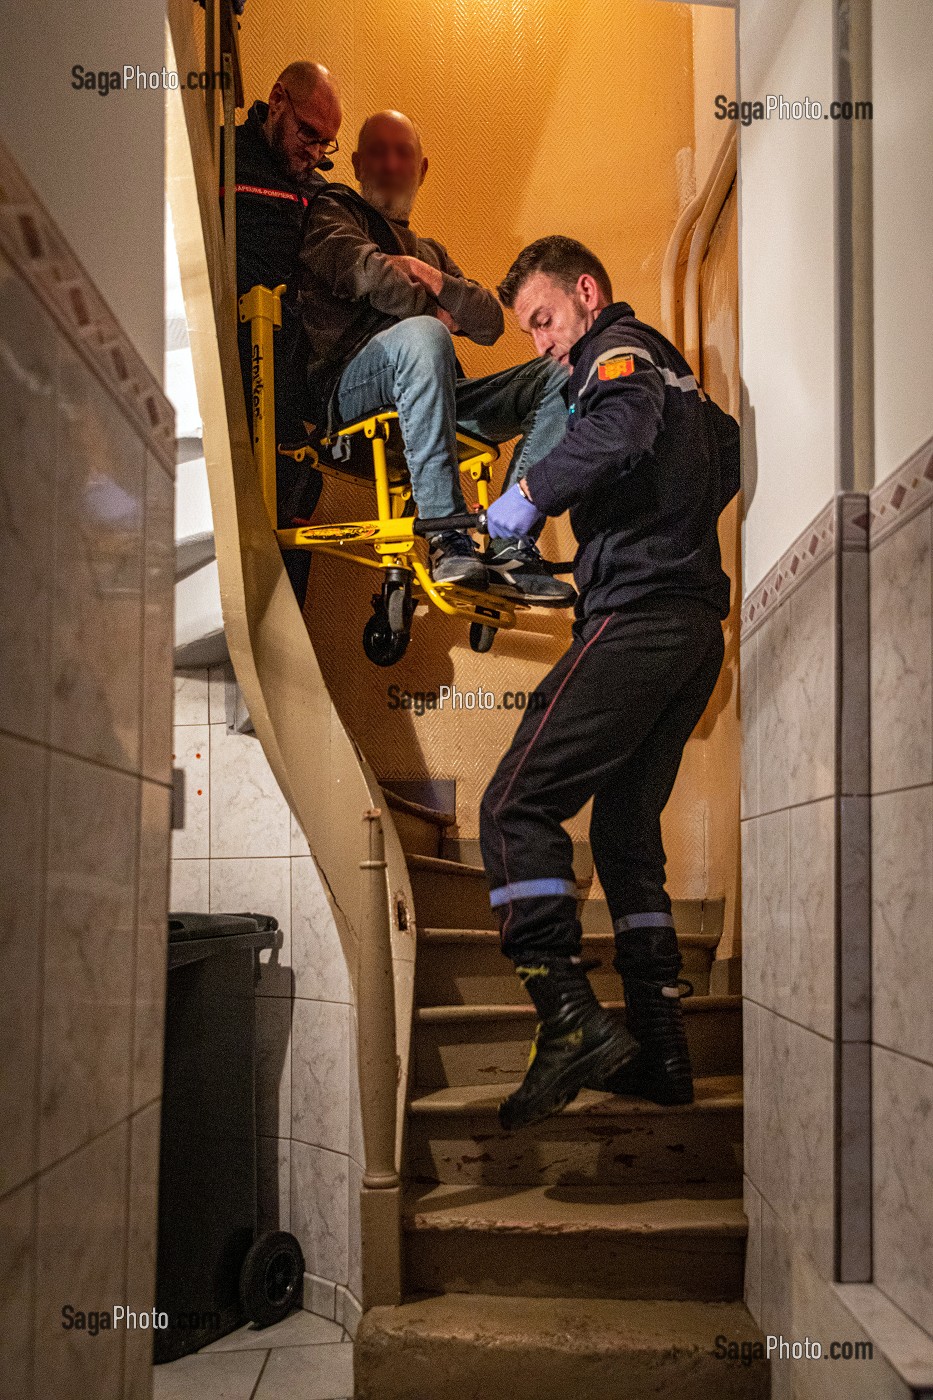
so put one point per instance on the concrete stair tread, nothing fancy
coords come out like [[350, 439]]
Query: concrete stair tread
[[595, 1211], [486, 937], [712, 1092], [692, 1005], [397, 803], [583, 1325]]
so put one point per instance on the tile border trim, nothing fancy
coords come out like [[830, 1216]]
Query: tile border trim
[[902, 494], [38, 250]]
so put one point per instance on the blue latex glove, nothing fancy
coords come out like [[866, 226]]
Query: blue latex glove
[[512, 515]]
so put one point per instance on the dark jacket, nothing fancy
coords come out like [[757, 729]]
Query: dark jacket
[[349, 291], [645, 468], [270, 213]]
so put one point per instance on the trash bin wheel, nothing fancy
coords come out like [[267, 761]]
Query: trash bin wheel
[[271, 1278]]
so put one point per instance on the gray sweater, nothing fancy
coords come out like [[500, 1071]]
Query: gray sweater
[[349, 290]]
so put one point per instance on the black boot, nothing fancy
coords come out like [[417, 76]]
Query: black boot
[[574, 1039], [649, 961]]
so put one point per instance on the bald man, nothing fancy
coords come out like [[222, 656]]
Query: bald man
[[380, 307], [280, 150]]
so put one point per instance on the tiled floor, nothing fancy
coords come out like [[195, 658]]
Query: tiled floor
[[303, 1358]]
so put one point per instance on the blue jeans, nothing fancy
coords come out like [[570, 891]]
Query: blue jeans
[[412, 366]]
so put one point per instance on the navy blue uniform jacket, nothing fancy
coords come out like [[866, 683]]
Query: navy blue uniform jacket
[[645, 468]]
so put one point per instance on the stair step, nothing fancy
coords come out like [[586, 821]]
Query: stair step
[[467, 966], [466, 849], [476, 1345], [451, 894], [691, 916], [599, 1139], [420, 829], [489, 1044], [575, 1241]]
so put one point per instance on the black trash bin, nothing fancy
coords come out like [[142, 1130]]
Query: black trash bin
[[213, 1271]]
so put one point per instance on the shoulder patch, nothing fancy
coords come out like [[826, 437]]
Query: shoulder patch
[[617, 367]]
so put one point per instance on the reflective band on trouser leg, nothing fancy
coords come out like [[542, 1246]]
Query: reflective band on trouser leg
[[532, 889], [655, 920]]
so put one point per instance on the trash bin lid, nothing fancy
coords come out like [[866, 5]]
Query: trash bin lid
[[195, 936]]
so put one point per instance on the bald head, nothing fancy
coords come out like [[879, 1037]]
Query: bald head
[[389, 162], [304, 115]]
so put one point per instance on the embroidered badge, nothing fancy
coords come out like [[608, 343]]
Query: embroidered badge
[[614, 369]]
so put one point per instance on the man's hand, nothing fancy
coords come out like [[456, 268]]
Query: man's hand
[[431, 278], [447, 320], [513, 514]]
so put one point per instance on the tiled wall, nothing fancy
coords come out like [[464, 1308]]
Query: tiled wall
[[837, 871], [85, 710], [902, 887], [241, 850]]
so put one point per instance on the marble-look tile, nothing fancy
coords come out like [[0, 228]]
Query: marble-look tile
[[751, 1200], [315, 1373], [191, 696], [80, 1247], [902, 1095], [23, 779], [854, 674], [319, 1209], [261, 885], [192, 753], [354, 1241], [273, 1168], [811, 772], [318, 958], [249, 815], [809, 1165], [855, 1193], [218, 678], [98, 616], [17, 1292], [775, 709], [901, 640], [751, 923], [775, 1280], [190, 887], [751, 1089], [223, 1375], [855, 917], [748, 713], [273, 1066], [298, 1329], [141, 1246], [29, 356], [320, 1088], [348, 1310], [357, 1145], [90, 936], [775, 1098], [319, 1296], [158, 623], [813, 915], [774, 910], [299, 842], [902, 917], [151, 941]]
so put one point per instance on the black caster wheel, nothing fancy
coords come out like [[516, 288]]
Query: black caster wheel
[[383, 646], [399, 608], [481, 636], [271, 1278]]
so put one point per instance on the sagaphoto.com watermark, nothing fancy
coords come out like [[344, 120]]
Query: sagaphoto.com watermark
[[776, 105], [132, 78]]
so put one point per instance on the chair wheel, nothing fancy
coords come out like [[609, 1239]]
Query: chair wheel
[[399, 609], [381, 644], [481, 636], [271, 1278]]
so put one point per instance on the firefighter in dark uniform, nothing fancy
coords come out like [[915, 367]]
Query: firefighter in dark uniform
[[646, 466], [281, 149]]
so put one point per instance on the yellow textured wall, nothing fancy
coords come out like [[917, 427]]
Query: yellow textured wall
[[538, 116]]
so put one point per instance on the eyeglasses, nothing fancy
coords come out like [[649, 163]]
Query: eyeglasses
[[307, 135]]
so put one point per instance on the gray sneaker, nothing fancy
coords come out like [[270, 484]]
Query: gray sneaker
[[453, 559], [517, 571]]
